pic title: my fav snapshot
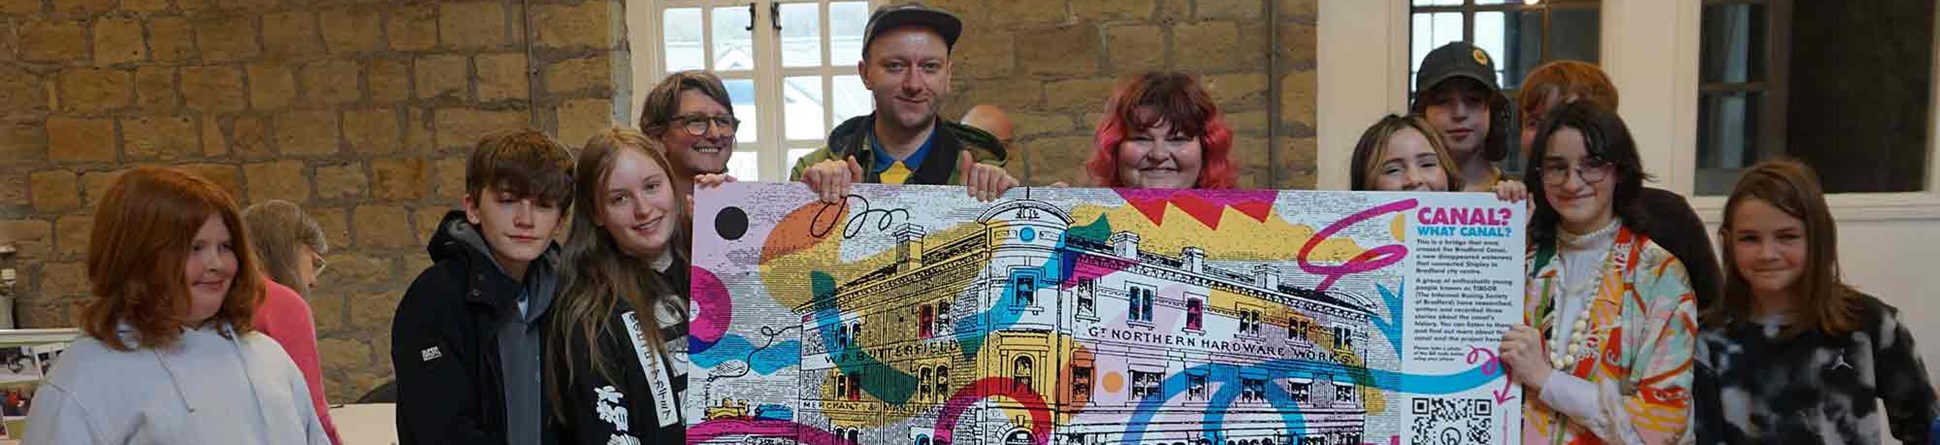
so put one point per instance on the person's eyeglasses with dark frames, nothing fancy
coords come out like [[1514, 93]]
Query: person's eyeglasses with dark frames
[[698, 125], [1592, 170]]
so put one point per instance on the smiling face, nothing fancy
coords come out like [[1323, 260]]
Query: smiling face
[[636, 205], [1769, 247], [1158, 157], [209, 270], [708, 152], [517, 228], [1409, 164], [1583, 205], [907, 70]]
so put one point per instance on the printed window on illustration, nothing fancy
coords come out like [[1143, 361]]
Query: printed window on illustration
[[1252, 390], [1081, 382], [942, 316], [1025, 288], [789, 67], [1139, 304], [925, 317], [1195, 314], [1787, 78], [1087, 296], [855, 386], [1299, 390], [1021, 371], [924, 390], [841, 336], [1145, 384], [841, 386], [943, 381], [1518, 35], [1196, 386]]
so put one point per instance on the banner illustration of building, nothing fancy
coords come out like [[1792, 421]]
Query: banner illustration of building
[[915, 315]]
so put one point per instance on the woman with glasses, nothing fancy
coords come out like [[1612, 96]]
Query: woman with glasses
[[291, 246], [1604, 354], [1161, 130], [691, 114]]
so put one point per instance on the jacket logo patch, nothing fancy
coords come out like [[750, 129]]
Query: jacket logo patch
[[430, 353]]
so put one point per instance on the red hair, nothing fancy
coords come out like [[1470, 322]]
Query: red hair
[[137, 252], [1172, 98]]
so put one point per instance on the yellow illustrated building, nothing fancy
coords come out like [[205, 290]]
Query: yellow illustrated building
[[1116, 344]]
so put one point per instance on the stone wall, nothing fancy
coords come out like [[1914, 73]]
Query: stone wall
[[362, 111], [1052, 63], [359, 110]]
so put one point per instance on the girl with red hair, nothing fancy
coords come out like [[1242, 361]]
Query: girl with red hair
[[1161, 130], [170, 353]]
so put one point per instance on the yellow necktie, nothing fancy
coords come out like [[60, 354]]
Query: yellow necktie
[[895, 174]]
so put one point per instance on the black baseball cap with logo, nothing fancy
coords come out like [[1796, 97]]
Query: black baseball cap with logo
[[1456, 60], [890, 17]]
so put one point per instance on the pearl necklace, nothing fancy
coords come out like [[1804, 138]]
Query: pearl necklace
[[1562, 354]]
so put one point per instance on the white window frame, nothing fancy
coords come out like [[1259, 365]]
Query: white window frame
[[771, 143], [1649, 49]]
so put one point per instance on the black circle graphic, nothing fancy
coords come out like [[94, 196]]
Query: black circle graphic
[[731, 223]]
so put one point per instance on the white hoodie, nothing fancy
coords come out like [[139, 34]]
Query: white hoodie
[[205, 389]]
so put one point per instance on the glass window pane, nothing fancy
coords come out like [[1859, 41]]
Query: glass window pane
[[1430, 31], [741, 91], [801, 99], [1575, 34], [733, 42], [796, 154], [1437, 2], [745, 166], [1490, 36], [1733, 43], [851, 98], [846, 20], [1728, 141], [801, 34], [682, 39]]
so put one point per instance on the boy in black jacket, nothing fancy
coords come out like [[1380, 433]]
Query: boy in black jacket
[[466, 338]]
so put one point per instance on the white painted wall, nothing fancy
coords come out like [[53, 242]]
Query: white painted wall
[[1887, 242]]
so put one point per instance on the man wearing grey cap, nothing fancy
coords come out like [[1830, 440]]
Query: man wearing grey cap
[[906, 67], [1457, 91]]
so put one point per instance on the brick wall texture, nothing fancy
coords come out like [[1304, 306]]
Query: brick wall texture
[[1050, 64], [362, 112]]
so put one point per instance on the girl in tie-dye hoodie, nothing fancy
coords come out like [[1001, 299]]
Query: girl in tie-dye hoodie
[[1793, 354]]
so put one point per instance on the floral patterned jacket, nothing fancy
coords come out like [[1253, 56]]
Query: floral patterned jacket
[[1644, 321]]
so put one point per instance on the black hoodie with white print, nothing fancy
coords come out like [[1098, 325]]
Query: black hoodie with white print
[[640, 403]]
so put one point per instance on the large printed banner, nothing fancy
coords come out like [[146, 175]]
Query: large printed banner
[[916, 315]]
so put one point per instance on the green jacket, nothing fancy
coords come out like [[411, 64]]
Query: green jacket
[[939, 166]]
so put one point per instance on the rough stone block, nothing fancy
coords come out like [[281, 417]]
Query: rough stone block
[[81, 139]]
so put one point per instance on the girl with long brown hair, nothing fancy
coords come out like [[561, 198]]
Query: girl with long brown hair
[[1792, 353], [618, 339]]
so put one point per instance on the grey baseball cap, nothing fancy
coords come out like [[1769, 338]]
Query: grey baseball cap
[[890, 17]]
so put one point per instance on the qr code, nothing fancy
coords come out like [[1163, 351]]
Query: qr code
[[1453, 421]]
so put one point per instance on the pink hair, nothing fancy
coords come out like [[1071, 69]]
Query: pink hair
[[1173, 98]]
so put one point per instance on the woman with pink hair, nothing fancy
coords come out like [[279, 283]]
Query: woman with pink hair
[[1161, 130]]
